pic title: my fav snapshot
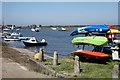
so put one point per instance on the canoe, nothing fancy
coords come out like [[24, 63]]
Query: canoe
[[112, 27], [90, 40], [90, 29], [114, 31], [90, 54]]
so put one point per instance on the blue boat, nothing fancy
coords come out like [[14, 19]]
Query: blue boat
[[90, 29]]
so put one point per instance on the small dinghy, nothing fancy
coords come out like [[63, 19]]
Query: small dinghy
[[33, 42]]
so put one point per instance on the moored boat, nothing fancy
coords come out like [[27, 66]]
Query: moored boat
[[11, 38], [33, 42]]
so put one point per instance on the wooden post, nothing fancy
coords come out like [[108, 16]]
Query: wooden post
[[77, 65], [55, 58], [115, 71], [119, 71], [41, 57]]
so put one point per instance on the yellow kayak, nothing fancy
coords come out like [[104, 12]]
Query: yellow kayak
[[114, 31]]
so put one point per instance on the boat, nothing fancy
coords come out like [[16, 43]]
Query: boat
[[24, 38], [36, 29], [90, 29], [91, 54], [92, 40], [32, 29], [6, 29], [33, 42], [53, 28], [15, 34], [11, 38], [62, 29], [114, 31]]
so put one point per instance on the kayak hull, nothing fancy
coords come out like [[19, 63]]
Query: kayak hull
[[90, 40], [90, 54]]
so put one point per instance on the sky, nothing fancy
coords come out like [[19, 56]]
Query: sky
[[59, 13]]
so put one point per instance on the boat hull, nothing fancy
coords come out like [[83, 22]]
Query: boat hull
[[6, 39], [90, 54], [91, 40], [35, 44]]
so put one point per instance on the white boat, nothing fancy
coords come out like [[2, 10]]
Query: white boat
[[53, 28], [33, 42], [6, 29], [32, 29], [15, 34], [11, 38], [36, 29], [24, 38], [62, 29]]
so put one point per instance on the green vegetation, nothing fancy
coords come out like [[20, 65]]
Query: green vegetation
[[88, 70]]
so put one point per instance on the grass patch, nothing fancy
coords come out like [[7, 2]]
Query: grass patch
[[89, 70]]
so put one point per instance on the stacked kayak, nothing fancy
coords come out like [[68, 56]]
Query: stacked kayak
[[90, 29], [91, 40], [90, 54]]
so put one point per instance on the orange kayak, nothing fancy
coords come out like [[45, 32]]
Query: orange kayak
[[90, 54]]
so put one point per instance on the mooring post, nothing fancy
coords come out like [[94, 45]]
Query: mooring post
[[115, 71], [41, 57], [77, 65], [55, 58]]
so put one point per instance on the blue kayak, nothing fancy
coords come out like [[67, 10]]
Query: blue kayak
[[90, 29]]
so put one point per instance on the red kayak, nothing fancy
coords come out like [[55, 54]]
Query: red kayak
[[90, 54], [112, 27]]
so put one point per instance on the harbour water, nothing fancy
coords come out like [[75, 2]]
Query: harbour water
[[59, 41]]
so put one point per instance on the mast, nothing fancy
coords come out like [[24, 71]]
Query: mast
[[3, 24]]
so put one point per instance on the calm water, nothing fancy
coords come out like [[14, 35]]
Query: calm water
[[59, 41]]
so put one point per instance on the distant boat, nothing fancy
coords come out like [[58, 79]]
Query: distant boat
[[36, 29], [11, 38], [6, 29], [15, 34], [33, 42], [53, 28], [62, 29]]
